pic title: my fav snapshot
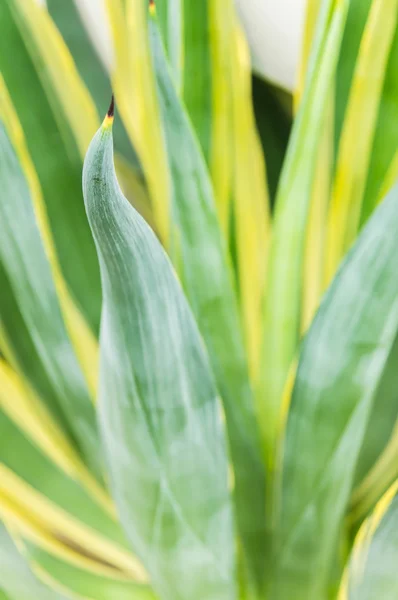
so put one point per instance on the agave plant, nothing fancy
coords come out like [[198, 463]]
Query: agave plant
[[198, 380]]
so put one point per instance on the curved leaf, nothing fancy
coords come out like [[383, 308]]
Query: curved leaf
[[85, 584], [341, 365], [282, 297], [384, 418], [50, 501], [372, 570], [159, 412], [68, 21], [24, 260], [55, 142], [16, 577], [202, 262], [360, 120], [135, 89]]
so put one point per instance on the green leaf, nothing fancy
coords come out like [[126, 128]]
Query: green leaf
[[53, 145], [385, 141], [282, 297], [385, 131], [17, 578], [170, 15], [361, 120], [342, 361], [202, 262], [67, 19], [28, 275], [185, 27], [86, 584], [158, 408], [383, 418], [23, 458], [196, 78], [372, 570]]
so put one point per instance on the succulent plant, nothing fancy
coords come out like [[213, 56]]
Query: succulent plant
[[198, 369]]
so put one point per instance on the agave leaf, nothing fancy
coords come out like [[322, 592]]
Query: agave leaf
[[250, 207], [385, 141], [22, 406], [186, 30], [85, 584], [17, 578], [384, 417], [202, 262], [81, 336], [237, 168], [135, 89], [357, 17], [221, 159], [68, 21], [282, 298], [311, 18], [341, 365], [313, 274], [159, 413], [57, 136], [315, 244], [196, 84], [372, 570], [51, 507], [28, 274], [76, 36], [170, 15], [361, 120], [383, 473]]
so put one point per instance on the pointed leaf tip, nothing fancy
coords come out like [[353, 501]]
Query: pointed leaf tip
[[108, 121], [111, 110]]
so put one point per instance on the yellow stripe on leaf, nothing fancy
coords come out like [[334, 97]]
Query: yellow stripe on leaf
[[391, 178], [358, 131], [238, 168], [221, 20], [81, 336], [313, 7], [51, 528], [251, 202], [384, 471], [354, 573], [314, 259], [58, 71], [136, 97], [21, 404]]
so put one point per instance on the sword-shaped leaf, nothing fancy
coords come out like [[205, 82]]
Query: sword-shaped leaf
[[341, 365], [17, 579], [372, 570], [158, 408]]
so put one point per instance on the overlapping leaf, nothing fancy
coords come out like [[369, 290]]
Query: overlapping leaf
[[372, 570], [361, 120], [282, 298], [57, 136], [17, 579], [341, 366], [202, 262], [28, 272]]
